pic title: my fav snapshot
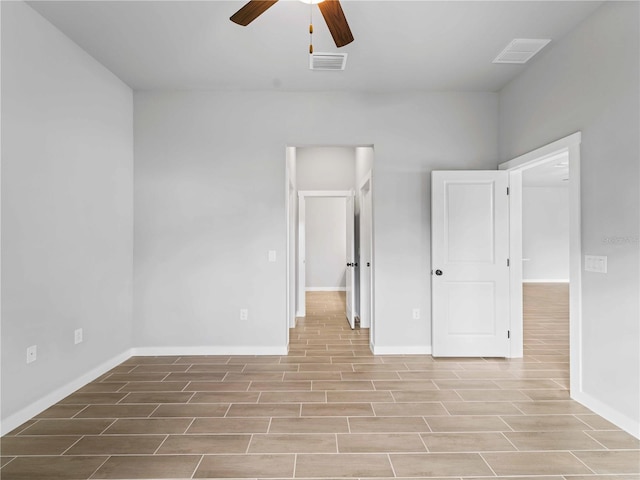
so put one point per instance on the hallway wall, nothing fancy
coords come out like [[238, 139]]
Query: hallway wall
[[580, 86], [209, 205], [67, 214], [326, 246]]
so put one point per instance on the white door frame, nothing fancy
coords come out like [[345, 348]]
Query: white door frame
[[367, 207], [570, 146], [301, 250]]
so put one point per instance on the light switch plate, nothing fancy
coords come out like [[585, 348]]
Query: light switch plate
[[595, 263], [272, 255]]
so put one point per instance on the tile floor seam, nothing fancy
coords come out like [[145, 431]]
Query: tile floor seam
[[395, 475], [108, 426], [166, 437], [487, 463], [295, 465], [154, 411], [189, 426], [580, 460], [69, 447], [515, 448], [197, 466], [99, 467], [80, 411]]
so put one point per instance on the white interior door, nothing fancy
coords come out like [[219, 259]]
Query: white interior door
[[351, 258], [365, 255], [469, 257]]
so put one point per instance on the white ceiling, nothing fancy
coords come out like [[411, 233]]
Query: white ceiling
[[399, 45]]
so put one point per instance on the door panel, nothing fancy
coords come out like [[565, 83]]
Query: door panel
[[470, 224], [470, 251], [351, 254]]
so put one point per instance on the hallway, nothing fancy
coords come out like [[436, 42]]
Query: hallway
[[330, 409]]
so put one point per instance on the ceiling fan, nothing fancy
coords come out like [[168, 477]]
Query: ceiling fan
[[331, 11]]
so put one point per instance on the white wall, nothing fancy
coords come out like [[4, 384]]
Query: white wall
[[67, 223], [545, 234], [325, 168], [292, 238], [591, 82], [326, 245], [209, 204], [364, 164]]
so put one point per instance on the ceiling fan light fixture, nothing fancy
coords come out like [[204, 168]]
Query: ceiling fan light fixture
[[311, 2]]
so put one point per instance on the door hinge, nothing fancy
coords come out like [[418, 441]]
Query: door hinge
[[508, 333], [507, 190], [508, 263]]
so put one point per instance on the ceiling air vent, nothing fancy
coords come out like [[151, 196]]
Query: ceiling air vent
[[327, 61], [521, 50]]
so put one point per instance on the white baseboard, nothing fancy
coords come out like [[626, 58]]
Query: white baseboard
[[208, 350], [605, 411], [54, 397], [326, 289], [402, 350], [545, 280]]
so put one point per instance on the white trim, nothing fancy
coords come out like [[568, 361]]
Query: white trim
[[366, 180], [605, 411], [545, 280], [58, 394], [325, 193], [301, 310], [516, 320], [570, 146], [253, 350], [401, 350], [542, 154], [326, 289]]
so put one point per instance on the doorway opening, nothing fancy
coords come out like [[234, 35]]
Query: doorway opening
[[565, 153], [329, 197]]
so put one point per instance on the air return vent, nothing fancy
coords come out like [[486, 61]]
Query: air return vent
[[327, 61], [521, 50]]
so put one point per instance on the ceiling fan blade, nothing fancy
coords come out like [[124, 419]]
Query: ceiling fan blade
[[251, 11], [336, 21]]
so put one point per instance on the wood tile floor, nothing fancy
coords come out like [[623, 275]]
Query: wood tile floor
[[330, 409]]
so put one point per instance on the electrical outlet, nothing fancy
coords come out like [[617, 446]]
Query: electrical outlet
[[77, 336], [595, 263], [272, 255], [415, 313], [244, 314], [32, 353]]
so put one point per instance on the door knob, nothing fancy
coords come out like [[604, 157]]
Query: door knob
[[438, 272], [355, 264], [349, 264]]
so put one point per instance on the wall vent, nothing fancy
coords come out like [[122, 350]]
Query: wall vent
[[327, 61], [521, 50]]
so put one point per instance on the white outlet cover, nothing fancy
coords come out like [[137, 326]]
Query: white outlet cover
[[416, 314], [32, 353], [77, 336], [595, 263], [244, 314], [272, 255]]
